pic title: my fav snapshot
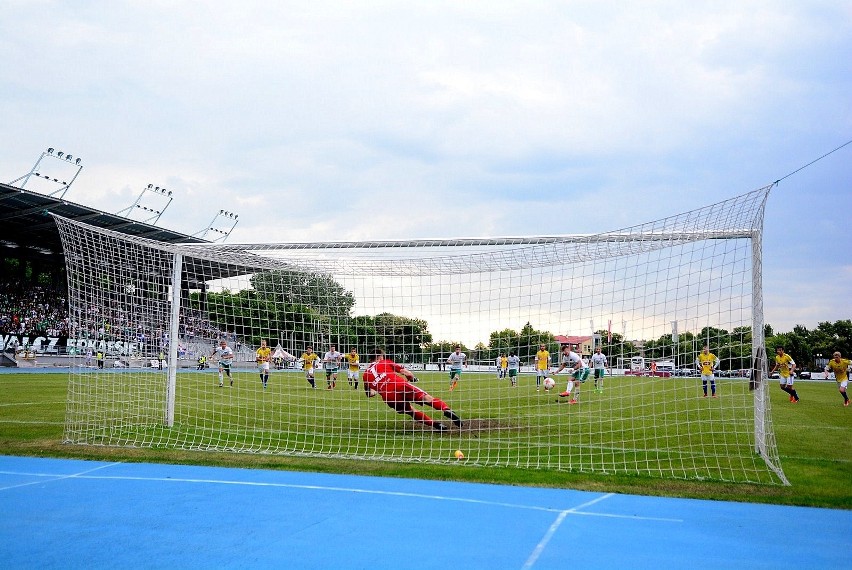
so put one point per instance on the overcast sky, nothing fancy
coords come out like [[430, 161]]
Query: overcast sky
[[454, 118]]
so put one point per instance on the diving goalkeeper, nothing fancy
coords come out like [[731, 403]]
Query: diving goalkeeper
[[393, 382]]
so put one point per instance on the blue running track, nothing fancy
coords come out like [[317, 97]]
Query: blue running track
[[91, 514]]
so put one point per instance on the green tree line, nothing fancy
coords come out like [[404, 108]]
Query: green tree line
[[298, 308]]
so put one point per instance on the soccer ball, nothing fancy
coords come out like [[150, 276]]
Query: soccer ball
[[549, 383]]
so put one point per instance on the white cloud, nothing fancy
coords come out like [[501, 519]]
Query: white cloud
[[449, 119]]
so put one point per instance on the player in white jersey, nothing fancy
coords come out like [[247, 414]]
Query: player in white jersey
[[226, 358], [578, 369], [514, 363], [456, 360], [599, 364], [331, 364]]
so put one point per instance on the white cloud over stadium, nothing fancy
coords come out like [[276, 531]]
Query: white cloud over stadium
[[391, 120]]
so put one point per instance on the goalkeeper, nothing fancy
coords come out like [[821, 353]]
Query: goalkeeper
[[394, 383], [707, 363]]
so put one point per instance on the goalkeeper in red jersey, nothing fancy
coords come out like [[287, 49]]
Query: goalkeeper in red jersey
[[392, 382]]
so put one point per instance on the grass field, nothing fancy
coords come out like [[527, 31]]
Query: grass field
[[812, 436]]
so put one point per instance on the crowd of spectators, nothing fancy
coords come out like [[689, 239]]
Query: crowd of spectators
[[32, 310]]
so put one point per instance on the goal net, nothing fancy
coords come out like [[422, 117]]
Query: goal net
[[180, 328]]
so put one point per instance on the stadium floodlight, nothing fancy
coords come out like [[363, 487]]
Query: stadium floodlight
[[38, 171], [156, 201], [701, 269], [220, 227]]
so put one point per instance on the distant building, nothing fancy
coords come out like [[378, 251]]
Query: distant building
[[583, 343]]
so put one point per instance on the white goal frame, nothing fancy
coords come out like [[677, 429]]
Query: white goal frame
[[113, 414]]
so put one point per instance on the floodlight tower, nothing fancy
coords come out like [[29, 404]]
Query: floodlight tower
[[153, 212], [37, 171], [222, 224]]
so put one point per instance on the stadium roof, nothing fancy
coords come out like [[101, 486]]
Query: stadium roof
[[27, 226]]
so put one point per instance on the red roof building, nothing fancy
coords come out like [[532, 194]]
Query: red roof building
[[584, 343]]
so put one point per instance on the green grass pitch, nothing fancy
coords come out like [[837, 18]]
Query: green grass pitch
[[812, 436]]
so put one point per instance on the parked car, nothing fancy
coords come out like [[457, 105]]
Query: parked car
[[775, 375], [803, 374]]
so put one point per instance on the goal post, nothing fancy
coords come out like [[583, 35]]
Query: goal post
[[654, 294]]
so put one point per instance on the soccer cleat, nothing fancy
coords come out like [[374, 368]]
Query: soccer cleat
[[564, 394], [438, 426], [846, 404], [220, 384], [453, 385], [232, 382], [792, 399], [328, 387], [454, 417], [704, 396], [715, 396], [574, 402]]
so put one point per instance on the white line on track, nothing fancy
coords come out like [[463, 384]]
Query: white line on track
[[53, 477], [542, 544], [574, 510]]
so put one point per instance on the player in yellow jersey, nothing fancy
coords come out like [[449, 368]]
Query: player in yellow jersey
[[840, 367], [353, 360], [262, 357], [542, 364], [309, 363], [786, 368], [707, 363], [502, 366]]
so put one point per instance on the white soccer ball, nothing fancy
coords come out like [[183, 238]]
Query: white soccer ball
[[549, 383]]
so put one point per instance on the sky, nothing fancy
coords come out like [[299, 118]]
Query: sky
[[391, 120]]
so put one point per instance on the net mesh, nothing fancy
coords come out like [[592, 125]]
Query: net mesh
[[650, 297]]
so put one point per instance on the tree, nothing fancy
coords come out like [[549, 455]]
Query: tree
[[481, 353], [529, 339], [253, 318], [439, 351], [315, 290], [504, 341], [402, 337]]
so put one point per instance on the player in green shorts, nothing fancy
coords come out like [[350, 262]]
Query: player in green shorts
[[331, 364], [456, 360], [226, 356], [514, 366]]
